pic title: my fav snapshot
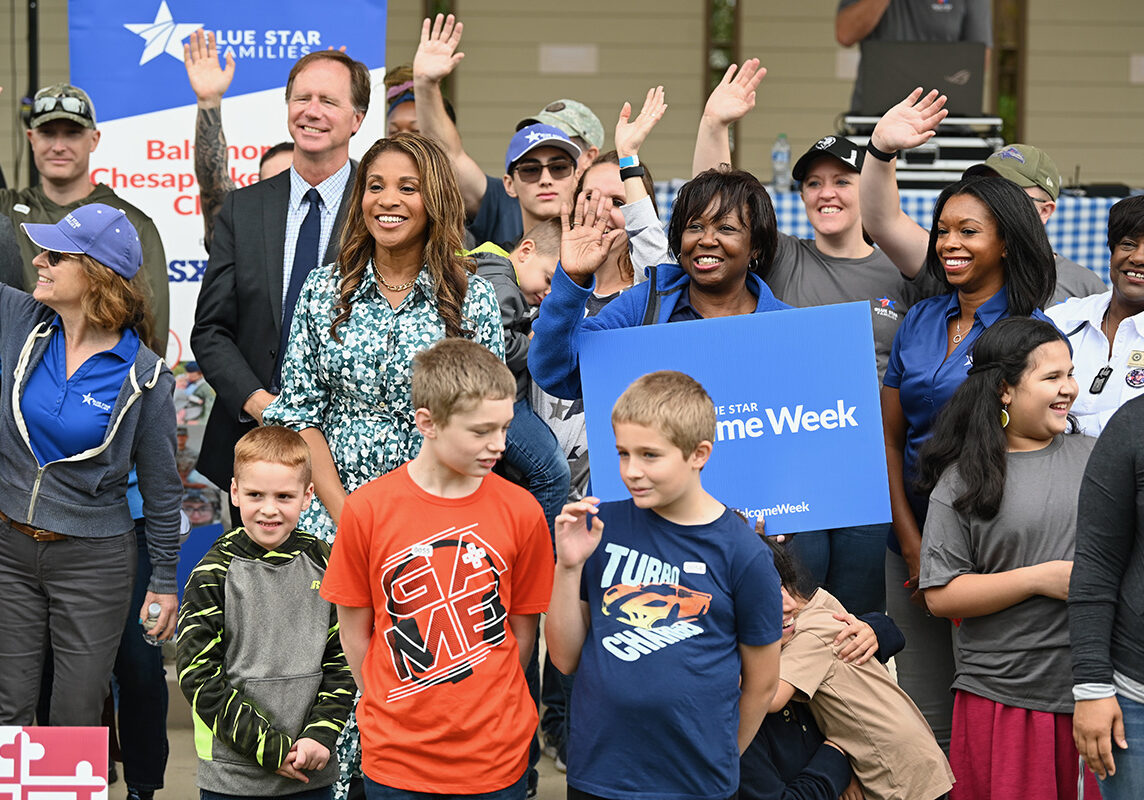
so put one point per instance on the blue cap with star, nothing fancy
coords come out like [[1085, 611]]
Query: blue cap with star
[[528, 139]]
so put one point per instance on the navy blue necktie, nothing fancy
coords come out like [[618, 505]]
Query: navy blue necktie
[[305, 259]]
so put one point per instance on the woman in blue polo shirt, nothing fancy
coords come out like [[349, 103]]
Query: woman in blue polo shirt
[[989, 246], [81, 401]]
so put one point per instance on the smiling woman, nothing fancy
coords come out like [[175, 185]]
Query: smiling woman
[[723, 228], [84, 402]]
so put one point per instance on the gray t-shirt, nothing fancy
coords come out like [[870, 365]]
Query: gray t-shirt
[[1019, 656], [804, 277], [927, 21], [1073, 280]]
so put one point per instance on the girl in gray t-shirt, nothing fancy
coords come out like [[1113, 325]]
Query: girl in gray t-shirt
[[1003, 478]]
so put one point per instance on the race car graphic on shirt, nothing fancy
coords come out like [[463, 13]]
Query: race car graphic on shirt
[[658, 605], [442, 597]]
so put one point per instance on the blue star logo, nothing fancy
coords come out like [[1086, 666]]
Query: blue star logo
[[164, 35]]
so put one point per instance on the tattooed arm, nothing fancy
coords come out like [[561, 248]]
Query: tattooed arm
[[209, 82]]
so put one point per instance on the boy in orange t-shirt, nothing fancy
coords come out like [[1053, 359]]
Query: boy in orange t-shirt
[[440, 572]]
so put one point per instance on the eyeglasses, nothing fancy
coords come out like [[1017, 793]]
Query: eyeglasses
[[530, 172], [72, 105], [54, 257]]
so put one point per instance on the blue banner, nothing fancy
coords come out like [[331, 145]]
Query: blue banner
[[128, 54], [799, 437]]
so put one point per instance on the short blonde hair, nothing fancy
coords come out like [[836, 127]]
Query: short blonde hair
[[457, 372], [672, 403], [273, 444]]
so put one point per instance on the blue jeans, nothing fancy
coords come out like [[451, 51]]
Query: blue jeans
[[142, 690], [376, 791], [1128, 782], [849, 563], [532, 450], [324, 793]]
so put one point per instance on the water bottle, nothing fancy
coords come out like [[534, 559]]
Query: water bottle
[[780, 164], [150, 623]]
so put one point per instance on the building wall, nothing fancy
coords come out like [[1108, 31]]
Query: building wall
[[1080, 104]]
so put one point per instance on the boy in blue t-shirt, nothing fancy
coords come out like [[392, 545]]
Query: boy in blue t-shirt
[[671, 618]]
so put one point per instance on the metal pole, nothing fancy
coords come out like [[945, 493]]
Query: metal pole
[[33, 74]]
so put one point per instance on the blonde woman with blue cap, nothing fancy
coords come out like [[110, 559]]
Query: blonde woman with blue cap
[[82, 400]]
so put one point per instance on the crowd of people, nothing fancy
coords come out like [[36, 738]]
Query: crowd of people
[[394, 409]]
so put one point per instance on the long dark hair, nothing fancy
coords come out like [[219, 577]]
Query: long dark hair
[[968, 430], [1029, 265], [444, 235], [735, 190]]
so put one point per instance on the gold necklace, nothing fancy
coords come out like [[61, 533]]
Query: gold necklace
[[401, 287]]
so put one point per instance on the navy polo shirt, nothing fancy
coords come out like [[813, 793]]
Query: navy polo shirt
[[919, 370], [66, 416]]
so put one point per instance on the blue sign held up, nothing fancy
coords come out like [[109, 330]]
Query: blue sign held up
[[799, 437]]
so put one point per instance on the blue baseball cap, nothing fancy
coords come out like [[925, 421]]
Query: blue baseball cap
[[96, 230], [528, 139]]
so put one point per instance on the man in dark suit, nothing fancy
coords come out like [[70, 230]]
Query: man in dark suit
[[268, 236]]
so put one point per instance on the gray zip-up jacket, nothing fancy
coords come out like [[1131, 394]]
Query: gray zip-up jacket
[[85, 495]]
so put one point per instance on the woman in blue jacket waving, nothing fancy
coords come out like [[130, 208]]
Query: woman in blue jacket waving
[[724, 233]]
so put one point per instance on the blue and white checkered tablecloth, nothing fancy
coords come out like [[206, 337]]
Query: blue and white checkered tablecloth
[[1078, 230]]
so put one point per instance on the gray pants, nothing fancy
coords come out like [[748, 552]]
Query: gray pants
[[74, 595], [926, 665]]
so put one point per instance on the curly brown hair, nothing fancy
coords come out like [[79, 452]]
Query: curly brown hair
[[115, 303], [444, 244]]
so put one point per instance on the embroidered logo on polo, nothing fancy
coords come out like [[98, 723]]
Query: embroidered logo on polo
[[443, 602], [649, 599], [88, 400]]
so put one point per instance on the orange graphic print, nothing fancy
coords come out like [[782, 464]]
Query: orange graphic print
[[658, 605]]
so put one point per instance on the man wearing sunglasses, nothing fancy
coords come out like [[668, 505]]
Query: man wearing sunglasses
[[62, 134], [540, 172]]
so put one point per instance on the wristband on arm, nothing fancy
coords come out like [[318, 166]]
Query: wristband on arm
[[881, 155]]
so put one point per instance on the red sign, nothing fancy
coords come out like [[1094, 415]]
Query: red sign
[[56, 763]]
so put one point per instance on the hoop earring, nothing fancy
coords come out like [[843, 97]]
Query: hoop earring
[[1004, 415]]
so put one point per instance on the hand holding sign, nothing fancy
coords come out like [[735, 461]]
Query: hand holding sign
[[586, 240]]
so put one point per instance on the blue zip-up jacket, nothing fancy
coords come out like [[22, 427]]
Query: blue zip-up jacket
[[554, 356]]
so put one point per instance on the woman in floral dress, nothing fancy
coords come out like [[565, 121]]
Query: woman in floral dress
[[399, 285]]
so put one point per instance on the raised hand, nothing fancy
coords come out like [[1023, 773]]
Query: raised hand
[[208, 80], [735, 95], [578, 532], [586, 240], [910, 123], [437, 54], [630, 134]]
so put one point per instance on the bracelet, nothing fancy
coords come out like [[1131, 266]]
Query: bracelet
[[631, 172], [881, 155], [629, 161]]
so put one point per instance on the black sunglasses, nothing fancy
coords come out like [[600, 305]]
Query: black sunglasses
[[530, 172], [54, 257]]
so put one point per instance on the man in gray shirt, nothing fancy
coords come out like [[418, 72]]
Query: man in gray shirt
[[861, 21]]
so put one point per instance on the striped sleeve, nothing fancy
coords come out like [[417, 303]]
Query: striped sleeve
[[216, 703], [335, 697]]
